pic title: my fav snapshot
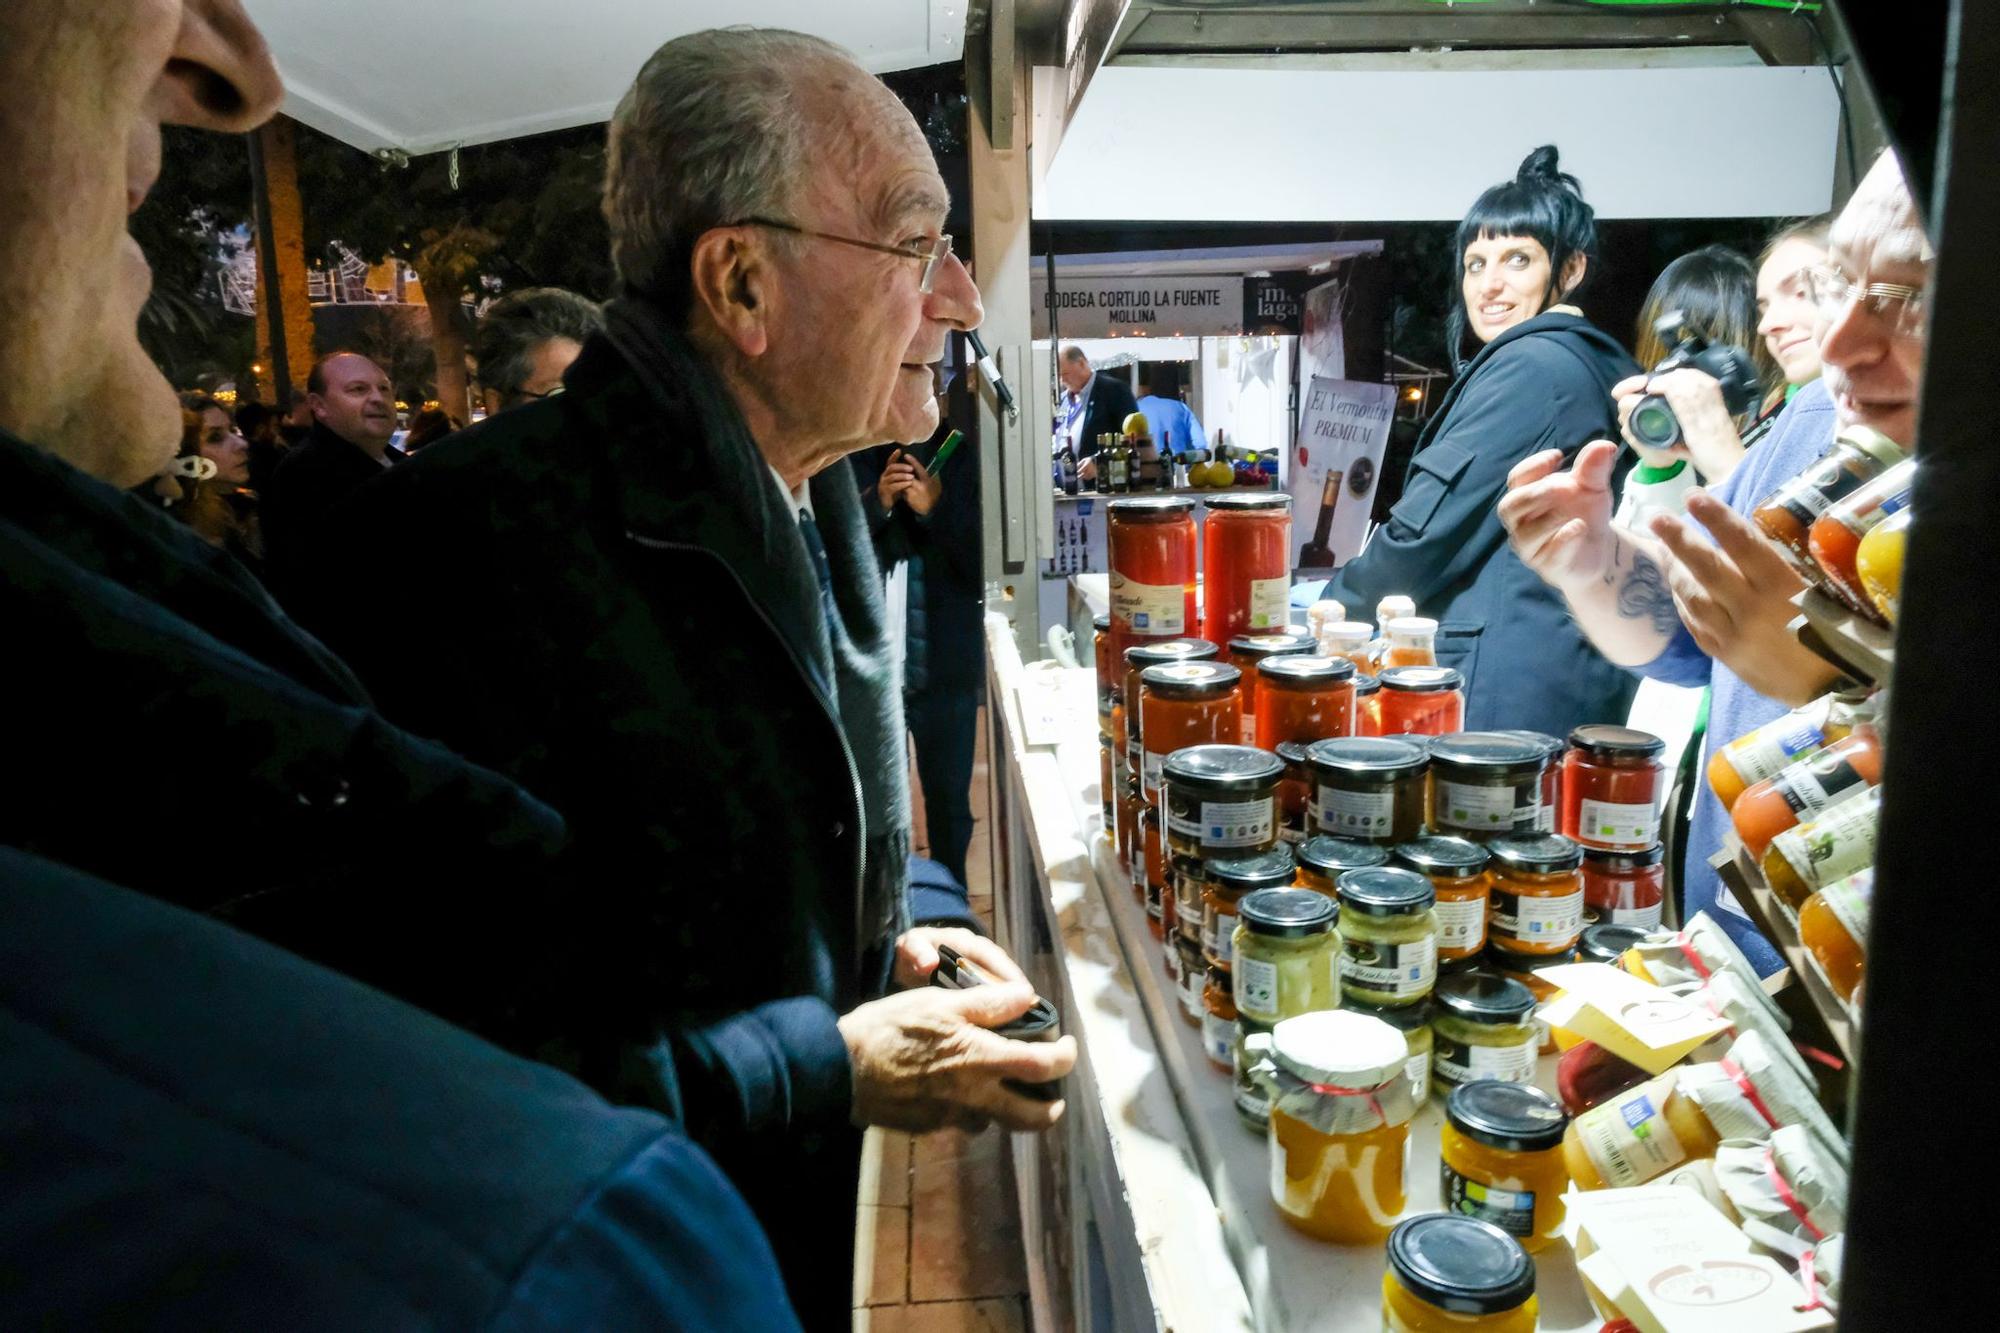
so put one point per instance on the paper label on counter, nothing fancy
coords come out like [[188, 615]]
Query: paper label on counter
[[1513, 1211], [1155, 610], [1832, 848], [1457, 1063], [1409, 968], [1628, 1138], [1270, 604], [1355, 814], [1634, 1020], [1230, 823], [1612, 822], [1256, 983], [1461, 923], [1461, 805]]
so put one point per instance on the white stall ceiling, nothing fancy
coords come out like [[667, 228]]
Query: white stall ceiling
[[1295, 145], [421, 75]]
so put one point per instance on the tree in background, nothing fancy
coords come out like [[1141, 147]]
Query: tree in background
[[203, 194]]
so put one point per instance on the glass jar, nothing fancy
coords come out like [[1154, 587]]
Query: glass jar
[[1284, 950], [1482, 1026], [1253, 1097], [1414, 1022], [1323, 860], [1372, 789], [1833, 925], [1409, 641], [1129, 804], [1294, 791], [1766, 752], [1183, 704], [1527, 968], [1485, 784], [1501, 1146], [1835, 537], [1303, 697], [1548, 805], [1367, 705], [1138, 660], [1607, 942], [1424, 700], [1326, 611], [1537, 893], [1106, 665], [1218, 1019], [1807, 789], [1107, 789], [1340, 1125], [1348, 639], [1786, 515], [1395, 606], [1456, 869], [1246, 653], [1878, 564], [1587, 1075], [1839, 843], [1388, 936], [1151, 882], [1452, 1274], [1636, 1136], [1151, 544], [1613, 785], [1217, 800], [1624, 888], [1246, 564], [1229, 878], [1189, 973]]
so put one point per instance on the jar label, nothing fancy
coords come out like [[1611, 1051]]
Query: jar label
[[1248, 729], [1646, 918], [1218, 1038], [1629, 1140], [1172, 964], [1462, 923], [1459, 1062], [1418, 1070], [1550, 919], [1149, 772], [1545, 817], [1831, 848], [1766, 752], [1461, 805], [1218, 934], [1819, 785], [1256, 983], [1848, 900], [1612, 822], [1409, 968], [1230, 823], [1513, 1211], [1270, 603], [1355, 814], [1158, 610], [1193, 982]]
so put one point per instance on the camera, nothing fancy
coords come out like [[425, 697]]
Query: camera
[[1652, 422]]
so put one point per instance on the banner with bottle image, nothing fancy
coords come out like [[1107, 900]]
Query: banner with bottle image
[[1343, 432]]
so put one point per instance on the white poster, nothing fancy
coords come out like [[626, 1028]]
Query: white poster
[[1343, 430], [1322, 335]]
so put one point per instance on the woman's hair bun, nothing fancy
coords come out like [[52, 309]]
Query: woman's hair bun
[[1540, 167]]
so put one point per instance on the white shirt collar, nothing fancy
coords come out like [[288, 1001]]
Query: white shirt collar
[[800, 498]]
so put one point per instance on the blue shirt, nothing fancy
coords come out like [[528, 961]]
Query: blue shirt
[[1172, 419], [1801, 434]]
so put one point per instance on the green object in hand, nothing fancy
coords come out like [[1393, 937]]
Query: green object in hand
[[944, 452]]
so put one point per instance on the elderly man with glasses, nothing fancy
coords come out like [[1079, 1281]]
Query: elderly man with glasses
[[653, 598], [1668, 603]]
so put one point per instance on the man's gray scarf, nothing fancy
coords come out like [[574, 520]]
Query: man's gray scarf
[[854, 652]]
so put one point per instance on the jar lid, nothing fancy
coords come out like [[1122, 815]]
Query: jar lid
[[1385, 891], [1405, 1018], [1182, 680], [1873, 443], [1394, 605], [1600, 740], [1305, 666], [1291, 752], [1536, 853], [1149, 506], [1101, 623], [1413, 625], [1481, 997], [1607, 941], [1356, 632], [1249, 500], [1517, 1117], [1551, 745], [1287, 914], [1443, 856], [1230, 769], [1365, 684], [1260, 870], [1616, 861], [1339, 1048], [1270, 645], [1375, 758], [1471, 962], [1461, 1264], [1421, 679], [1500, 957], [1489, 752], [1164, 651], [1331, 856]]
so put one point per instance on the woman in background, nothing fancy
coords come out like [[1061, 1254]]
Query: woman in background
[[207, 486]]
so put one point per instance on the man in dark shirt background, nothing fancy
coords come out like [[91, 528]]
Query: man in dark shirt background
[[354, 416]]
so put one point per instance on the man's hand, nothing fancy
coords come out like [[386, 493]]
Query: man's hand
[[892, 483], [913, 481], [1087, 469], [924, 1059], [1735, 599], [1560, 522], [1709, 438], [917, 955]]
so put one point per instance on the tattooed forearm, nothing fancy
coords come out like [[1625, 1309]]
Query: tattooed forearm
[[1643, 595]]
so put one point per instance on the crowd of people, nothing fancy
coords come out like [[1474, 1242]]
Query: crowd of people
[[509, 921]]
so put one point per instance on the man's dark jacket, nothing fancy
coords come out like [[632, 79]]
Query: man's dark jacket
[[309, 479], [200, 1130], [602, 595], [1543, 384], [1107, 402]]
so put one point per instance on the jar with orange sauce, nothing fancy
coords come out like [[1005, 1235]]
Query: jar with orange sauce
[[1501, 1159], [1323, 860], [1833, 926], [1183, 704], [1858, 456], [1456, 868], [1807, 789], [1455, 1274], [1247, 652], [1537, 893], [1303, 697], [1409, 641], [1215, 801], [1624, 888], [1106, 666], [1835, 537], [1138, 660], [1367, 705], [1424, 700]]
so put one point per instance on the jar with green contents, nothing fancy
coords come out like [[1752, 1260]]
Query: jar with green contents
[[1323, 860], [1388, 936], [1286, 953], [1483, 1027], [1373, 789], [1229, 879], [1414, 1022]]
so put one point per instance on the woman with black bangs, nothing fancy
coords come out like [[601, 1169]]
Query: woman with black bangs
[[1534, 375]]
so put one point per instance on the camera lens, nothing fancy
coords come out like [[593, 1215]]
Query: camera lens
[[1653, 423]]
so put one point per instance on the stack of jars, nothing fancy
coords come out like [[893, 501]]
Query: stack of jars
[[1613, 786]]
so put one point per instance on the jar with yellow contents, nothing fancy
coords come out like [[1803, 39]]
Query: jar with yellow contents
[[1457, 1275], [1502, 1159], [1340, 1124]]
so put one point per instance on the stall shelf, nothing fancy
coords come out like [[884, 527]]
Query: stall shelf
[[1850, 642]]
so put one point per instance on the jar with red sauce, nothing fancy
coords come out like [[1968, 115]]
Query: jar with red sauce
[[1183, 704], [1537, 894], [1624, 888], [1151, 541], [1137, 658], [1246, 565], [1613, 783], [1424, 700], [1367, 705], [1303, 697], [1247, 652]]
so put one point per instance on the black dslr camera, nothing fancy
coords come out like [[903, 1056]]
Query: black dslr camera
[[1653, 423]]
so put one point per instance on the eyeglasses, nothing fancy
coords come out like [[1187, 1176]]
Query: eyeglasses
[[1901, 307], [930, 258]]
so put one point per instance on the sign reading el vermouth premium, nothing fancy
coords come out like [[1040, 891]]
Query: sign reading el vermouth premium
[[1343, 431], [1124, 306]]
